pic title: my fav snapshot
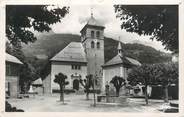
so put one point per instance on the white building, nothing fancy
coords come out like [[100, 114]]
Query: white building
[[119, 65], [13, 66], [71, 61]]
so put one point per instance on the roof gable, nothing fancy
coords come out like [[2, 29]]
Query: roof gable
[[37, 82], [118, 60], [12, 59], [73, 52]]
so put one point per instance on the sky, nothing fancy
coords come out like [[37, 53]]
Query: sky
[[79, 14]]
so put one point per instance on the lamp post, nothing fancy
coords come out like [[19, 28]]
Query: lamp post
[[94, 91], [94, 77]]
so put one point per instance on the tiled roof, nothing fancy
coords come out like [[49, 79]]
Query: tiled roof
[[118, 60], [133, 61], [12, 59], [73, 52]]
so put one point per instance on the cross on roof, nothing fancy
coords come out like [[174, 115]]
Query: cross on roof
[[91, 11]]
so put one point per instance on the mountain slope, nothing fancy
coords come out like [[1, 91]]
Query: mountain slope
[[47, 46], [144, 54]]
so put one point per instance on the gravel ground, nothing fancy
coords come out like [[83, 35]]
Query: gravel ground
[[78, 103]]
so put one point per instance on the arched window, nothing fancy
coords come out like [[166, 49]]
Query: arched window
[[98, 34], [92, 34], [96, 82], [119, 51], [98, 45], [92, 44]]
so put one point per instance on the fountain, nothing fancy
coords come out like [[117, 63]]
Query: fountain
[[110, 98]]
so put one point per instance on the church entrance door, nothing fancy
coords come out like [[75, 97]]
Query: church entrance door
[[76, 84]]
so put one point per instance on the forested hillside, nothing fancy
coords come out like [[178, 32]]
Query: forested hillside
[[47, 46]]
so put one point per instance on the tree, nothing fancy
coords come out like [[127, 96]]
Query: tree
[[27, 75], [118, 82], [20, 21], [158, 21], [167, 74], [87, 84], [163, 74], [10, 108], [15, 50], [8, 48], [60, 79], [143, 75], [21, 18], [28, 72]]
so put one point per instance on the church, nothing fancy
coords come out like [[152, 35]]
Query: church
[[79, 59]]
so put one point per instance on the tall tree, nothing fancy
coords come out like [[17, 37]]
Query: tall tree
[[141, 75], [163, 74], [27, 75], [21, 18], [60, 79], [15, 50], [87, 84], [158, 21], [118, 82], [27, 71]]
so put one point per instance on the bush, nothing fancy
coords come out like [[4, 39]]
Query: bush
[[9, 108]]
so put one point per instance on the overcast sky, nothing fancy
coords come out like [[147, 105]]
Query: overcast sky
[[78, 16]]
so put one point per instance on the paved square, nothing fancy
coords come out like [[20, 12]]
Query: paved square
[[78, 103]]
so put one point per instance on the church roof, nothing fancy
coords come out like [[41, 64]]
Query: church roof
[[118, 60], [12, 59], [73, 52], [92, 21]]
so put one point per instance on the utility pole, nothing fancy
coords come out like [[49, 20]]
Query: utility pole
[[63, 93], [94, 77], [94, 91]]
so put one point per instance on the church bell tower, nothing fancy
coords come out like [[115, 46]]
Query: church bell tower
[[92, 38], [120, 50]]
